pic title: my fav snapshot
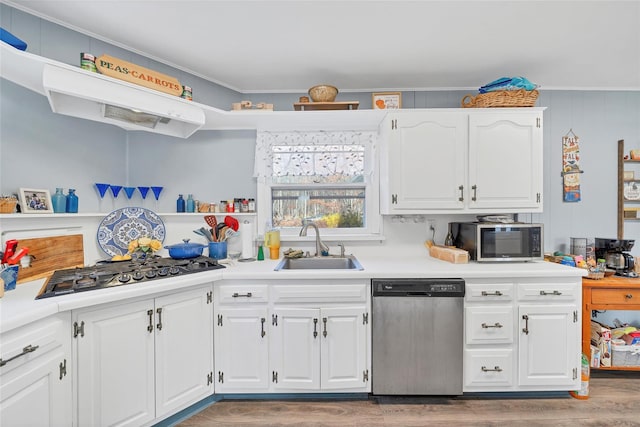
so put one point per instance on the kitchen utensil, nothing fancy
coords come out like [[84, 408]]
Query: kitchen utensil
[[204, 233], [211, 221], [9, 249], [232, 222], [185, 250], [123, 225]]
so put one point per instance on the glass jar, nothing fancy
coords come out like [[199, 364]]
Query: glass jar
[[191, 205], [180, 204], [72, 201], [59, 201]]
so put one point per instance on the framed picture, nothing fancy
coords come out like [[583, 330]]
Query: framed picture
[[386, 100], [35, 201]]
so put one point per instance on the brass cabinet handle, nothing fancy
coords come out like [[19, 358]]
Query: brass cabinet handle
[[491, 294], [159, 325], [495, 325], [25, 350], [150, 314], [237, 295]]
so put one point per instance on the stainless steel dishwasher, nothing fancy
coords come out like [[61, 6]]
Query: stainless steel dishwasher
[[417, 327]]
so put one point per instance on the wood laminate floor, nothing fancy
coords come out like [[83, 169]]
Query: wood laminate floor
[[614, 400]]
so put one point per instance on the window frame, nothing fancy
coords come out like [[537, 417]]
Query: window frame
[[373, 219]]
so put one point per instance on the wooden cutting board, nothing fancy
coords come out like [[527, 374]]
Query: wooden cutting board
[[51, 254]]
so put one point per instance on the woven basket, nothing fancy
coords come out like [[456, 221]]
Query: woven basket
[[8, 204], [501, 98]]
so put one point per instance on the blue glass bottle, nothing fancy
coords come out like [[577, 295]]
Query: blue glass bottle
[[191, 204], [72, 201], [59, 201], [180, 205]]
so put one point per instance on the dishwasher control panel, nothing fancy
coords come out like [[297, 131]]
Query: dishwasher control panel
[[418, 287]]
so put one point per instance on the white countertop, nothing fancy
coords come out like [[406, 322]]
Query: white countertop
[[19, 307]]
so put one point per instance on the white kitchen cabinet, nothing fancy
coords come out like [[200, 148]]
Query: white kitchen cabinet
[[137, 362], [301, 336], [35, 380], [461, 161], [319, 349], [426, 165], [522, 334], [241, 337], [505, 160]]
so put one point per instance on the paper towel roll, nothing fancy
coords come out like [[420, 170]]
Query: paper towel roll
[[246, 233]]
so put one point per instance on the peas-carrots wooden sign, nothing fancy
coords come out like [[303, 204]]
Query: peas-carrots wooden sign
[[132, 73]]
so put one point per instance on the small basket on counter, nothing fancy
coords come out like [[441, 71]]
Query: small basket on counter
[[8, 204], [501, 98]]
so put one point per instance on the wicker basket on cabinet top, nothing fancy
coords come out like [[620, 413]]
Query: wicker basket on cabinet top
[[501, 98]]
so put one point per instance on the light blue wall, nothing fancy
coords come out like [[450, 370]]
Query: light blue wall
[[45, 150]]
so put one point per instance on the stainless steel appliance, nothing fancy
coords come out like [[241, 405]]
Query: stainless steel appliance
[[503, 242], [108, 274], [615, 253], [417, 336]]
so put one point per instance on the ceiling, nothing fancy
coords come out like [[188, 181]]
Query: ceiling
[[357, 45]]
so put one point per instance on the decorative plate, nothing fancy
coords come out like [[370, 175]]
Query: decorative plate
[[125, 225], [632, 191]]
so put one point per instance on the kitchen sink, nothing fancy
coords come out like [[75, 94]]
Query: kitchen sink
[[331, 262]]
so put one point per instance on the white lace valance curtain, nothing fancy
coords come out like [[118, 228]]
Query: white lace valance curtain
[[279, 144]]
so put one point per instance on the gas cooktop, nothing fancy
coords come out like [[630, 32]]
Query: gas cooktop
[[109, 274]]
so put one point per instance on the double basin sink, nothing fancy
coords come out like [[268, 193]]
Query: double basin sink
[[330, 262]]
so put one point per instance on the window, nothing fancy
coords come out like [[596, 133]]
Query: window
[[324, 177]]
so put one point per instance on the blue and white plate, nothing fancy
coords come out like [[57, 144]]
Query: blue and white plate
[[124, 225]]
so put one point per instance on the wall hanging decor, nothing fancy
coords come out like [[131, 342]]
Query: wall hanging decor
[[571, 167]]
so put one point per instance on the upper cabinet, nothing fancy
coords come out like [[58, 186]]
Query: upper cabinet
[[462, 161], [80, 93]]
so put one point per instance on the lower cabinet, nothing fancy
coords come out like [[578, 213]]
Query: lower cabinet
[[522, 335], [141, 361], [302, 337], [35, 368]]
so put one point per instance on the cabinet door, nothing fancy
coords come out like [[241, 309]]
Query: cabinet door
[[295, 349], [343, 348], [184, 349], [549, 346], [505, 160], [427, 161], [36, 393], [241, 349], [115, 365]]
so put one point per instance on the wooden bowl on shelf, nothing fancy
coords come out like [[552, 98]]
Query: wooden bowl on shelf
[[323, 93]]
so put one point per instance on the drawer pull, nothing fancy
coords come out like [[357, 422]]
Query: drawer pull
[[495, 325], [495, 369], [237, 295], [28, 349], [628, 296], [543, 293], [491, 294]]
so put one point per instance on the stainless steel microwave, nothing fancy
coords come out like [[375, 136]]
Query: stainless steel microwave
[[499, 242]]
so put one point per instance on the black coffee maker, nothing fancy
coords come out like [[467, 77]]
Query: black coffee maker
[[615, 252]]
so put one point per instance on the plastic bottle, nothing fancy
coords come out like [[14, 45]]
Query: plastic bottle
[[180, 205], [59, 201], [583, 393], [191, 205], [72, 201]]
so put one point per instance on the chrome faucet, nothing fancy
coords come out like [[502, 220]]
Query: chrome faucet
[[320, 246]]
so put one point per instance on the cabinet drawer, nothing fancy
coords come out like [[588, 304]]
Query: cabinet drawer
[[616, 296], [547, 292], [30, 341], [242, 294], [486, 292], [488, 368], [319, 293], [489, 325]]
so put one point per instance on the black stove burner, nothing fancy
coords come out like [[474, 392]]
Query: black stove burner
[[107, 274]]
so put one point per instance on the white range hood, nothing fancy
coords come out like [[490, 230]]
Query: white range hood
[[80, 93]]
